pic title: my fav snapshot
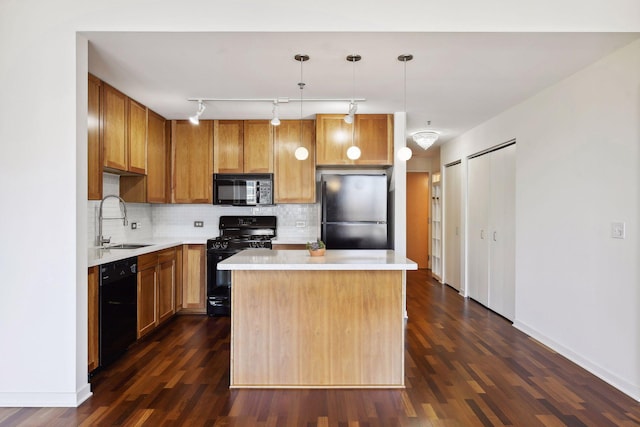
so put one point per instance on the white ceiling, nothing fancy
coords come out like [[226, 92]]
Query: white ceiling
[[456, 80]]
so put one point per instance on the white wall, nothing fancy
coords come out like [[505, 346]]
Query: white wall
[[578, 170], [42, 69]]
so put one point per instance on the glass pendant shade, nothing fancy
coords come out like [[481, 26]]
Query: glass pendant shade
[[353, 153]]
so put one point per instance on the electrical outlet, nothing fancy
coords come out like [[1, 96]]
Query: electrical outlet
[[618, 230], [198, 224], [134, 225], [301, 224]]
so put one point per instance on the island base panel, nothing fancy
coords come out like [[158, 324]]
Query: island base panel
[[317, 329]]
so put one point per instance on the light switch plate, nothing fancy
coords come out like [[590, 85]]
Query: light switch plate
[[618, 230]]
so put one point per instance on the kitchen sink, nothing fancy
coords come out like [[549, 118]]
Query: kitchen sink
[[127, 246]]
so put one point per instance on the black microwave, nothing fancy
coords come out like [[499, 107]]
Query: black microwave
[[242, 189]]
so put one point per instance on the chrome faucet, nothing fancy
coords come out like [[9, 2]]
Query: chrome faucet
[[101, 240]]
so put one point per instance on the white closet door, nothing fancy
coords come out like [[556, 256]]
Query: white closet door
[[452, 205], [502, 232], [478, 228]]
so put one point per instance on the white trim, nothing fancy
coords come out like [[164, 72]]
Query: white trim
[[46, 400], [600, 372]]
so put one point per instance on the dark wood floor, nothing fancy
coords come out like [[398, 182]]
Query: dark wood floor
[[465, 366]]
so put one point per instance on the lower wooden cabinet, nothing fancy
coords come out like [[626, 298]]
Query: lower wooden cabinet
[[147, 317], [166, 276], [194, 260], [93, 313], [156, 289]]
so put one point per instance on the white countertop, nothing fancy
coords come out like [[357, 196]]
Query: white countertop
[[265, 259], [97, 256]]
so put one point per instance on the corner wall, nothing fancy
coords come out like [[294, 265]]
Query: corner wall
[[577, 171]]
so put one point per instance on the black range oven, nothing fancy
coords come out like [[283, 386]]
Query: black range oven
[[237, 233]]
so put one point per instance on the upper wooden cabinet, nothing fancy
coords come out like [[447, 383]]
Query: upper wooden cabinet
[[258, 146], [372, 133], [295, 180], [94, 141], [137, 137], [124, 132], [114, 128], [228, 146], [191, 161], [157, 159], [242, 146]]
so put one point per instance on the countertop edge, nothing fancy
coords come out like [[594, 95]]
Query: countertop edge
[[98, 256], [342, 260]]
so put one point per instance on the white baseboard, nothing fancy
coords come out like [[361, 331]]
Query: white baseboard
[[632, 390], [45, 400]]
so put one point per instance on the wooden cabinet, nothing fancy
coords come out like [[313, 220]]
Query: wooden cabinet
[[93, 308], [258, 146], [124, 132], [94, 140], [228, 146], [156, 289], [191, 161], [242, 146], [179, 275], [194, 259], [295, 180], [136, 137], [158, 164], [147, 295], [114, 128], [491, 230], [372, 133], [166, 284]]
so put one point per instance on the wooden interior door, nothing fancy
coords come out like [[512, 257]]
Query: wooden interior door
[[418, 218]]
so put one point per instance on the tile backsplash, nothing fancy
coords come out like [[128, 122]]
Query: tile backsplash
[[296, 223]]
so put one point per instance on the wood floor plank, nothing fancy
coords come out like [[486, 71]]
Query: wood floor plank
[[465, 366]]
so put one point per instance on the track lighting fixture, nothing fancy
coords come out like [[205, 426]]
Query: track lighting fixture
[[405, 153], [301, 152], [195, 119], [275, 120]]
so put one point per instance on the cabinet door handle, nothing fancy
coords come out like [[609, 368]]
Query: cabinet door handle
[[482, 234], [495, 236]]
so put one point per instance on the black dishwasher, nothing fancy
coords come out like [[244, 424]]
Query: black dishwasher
[[118, 308]]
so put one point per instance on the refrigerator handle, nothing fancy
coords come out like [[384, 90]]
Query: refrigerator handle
[[323, 215]]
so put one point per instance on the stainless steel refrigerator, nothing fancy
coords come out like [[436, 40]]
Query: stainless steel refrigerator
[[354, 211]]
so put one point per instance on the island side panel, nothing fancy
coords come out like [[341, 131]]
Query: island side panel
[[339, 329]]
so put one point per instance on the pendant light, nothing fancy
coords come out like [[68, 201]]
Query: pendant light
[[301, 152], [405, 152], [353, 105], [353, 153]]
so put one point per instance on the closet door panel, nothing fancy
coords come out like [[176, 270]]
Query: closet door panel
[[502, 228], [453, 191], [478, 228]]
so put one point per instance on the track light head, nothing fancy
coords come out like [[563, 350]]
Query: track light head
[[195, 119], [275, 121]]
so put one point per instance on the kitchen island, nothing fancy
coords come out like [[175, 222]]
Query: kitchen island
[[335, 321]]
